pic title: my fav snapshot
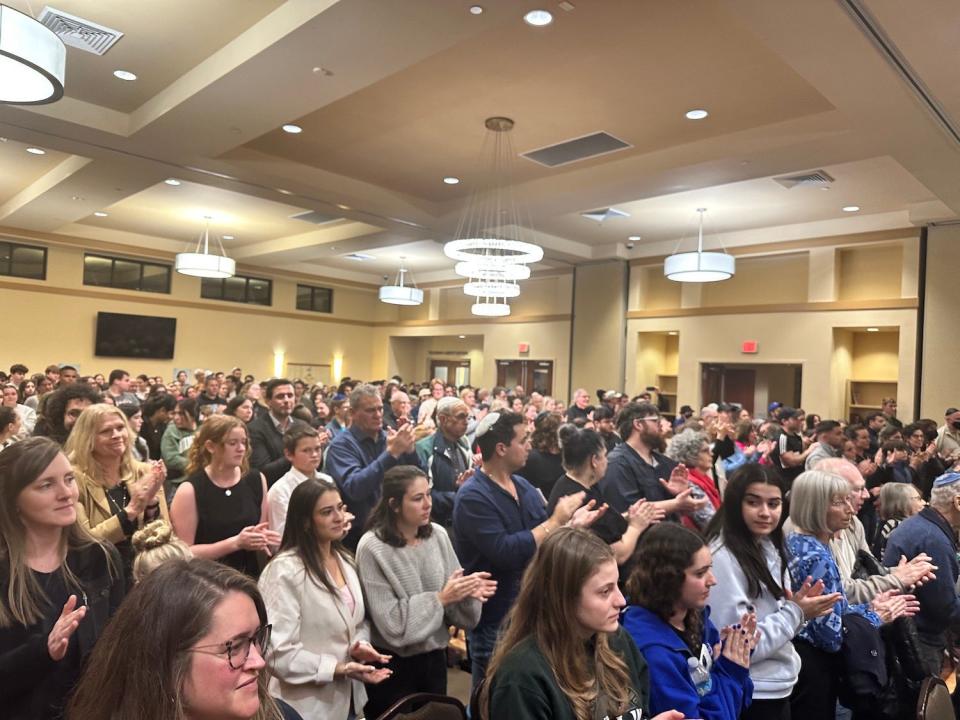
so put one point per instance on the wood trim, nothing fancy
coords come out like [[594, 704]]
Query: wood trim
[[147, 253], [876, 236], [839, 305], [509, 320], [159, 300]]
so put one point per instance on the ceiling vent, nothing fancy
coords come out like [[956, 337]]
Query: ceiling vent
[[315, 218], [604, 214], [79, 33], [817, 178], [581, 148]]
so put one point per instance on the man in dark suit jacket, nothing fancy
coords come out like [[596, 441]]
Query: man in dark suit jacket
[[266, 432]]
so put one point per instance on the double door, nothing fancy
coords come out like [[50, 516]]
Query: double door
[[531, 375]]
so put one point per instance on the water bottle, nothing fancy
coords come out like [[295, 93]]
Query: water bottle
[[700, 676]]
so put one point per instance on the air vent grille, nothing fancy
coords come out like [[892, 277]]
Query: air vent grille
[[604, 214], [817, 178], [79, 33], [315, 218], [581, 148]]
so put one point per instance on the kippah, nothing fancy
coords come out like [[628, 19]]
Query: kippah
[[489, 420], [947, 479], [446, 403]]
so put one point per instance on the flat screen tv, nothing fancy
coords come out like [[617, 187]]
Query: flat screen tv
[[135, 336]]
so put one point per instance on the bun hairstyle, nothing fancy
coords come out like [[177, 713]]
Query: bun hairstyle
[[156, 544], [578, 445]]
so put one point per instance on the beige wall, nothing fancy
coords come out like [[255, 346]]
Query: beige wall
[[941, 340], [599, 324], [776, 278], [873, 271], [875, 356], [805, 338]]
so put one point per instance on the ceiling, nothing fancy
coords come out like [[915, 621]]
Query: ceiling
[[392, 98]]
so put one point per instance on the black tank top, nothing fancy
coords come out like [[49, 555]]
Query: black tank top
[[224, 512]]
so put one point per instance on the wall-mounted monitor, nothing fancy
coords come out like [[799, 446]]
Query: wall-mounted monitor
[[135, 336]]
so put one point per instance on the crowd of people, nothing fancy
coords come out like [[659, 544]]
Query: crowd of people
[[215, 546]]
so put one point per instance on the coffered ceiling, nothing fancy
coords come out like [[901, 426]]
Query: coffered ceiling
[[391, 97]]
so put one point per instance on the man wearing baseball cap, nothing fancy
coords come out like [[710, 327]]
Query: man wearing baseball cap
[[934, 531]]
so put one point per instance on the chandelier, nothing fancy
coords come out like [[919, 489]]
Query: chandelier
[[400, 294], [699, 266], [204, 264], [32, 60], [491, 245]]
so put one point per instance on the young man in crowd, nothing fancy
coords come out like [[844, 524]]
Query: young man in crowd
[[304, 451], [266, 431]]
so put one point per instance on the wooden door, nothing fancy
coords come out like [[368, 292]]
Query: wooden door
[[540, 377], [531, 375], [738, 387], [711, 387], [454, 372]]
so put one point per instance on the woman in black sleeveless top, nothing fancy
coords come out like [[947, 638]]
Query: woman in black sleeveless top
[[221, 508]]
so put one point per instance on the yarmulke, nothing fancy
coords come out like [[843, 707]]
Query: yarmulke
[[484, 425], [947, 479]]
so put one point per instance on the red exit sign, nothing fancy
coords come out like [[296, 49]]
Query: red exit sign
[[750, 347], [524, 347]]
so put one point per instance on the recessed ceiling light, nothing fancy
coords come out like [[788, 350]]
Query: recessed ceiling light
[[538, 18], [697, 114], [172, 181], [633, 238], [36, 151], [476, 10], [124, 75], [292, 129], [450, 180], [462, 337], [851, 208], [284, 192], [228, 237], [100, 214], [342, 206], [873, 329]]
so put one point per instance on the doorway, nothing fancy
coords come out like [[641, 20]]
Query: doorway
[[453, 372], [531, 375], [752, 386]]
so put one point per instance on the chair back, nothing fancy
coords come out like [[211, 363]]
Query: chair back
[[426, 706], [935, 702], [475, 695]]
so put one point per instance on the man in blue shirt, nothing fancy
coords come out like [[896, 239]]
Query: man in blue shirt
[[360, 455], [933, 531], [499, 519]]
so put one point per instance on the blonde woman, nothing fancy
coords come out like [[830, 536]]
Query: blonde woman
[[118, 494], [155, 545], [221, 508]]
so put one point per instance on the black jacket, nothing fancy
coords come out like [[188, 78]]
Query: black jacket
[[266, 443], [32, 685]]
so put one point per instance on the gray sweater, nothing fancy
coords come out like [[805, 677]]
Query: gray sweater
[[401, 587]]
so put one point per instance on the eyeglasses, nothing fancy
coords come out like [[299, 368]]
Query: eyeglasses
[[839, 503], [648, 419], [238, 651]]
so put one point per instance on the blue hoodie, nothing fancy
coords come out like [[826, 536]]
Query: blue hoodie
[[671, 686]]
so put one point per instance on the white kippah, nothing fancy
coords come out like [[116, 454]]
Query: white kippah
[[446, 404], [488, 422]]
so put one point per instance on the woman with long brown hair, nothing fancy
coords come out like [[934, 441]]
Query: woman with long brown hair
[[58, 585], [221, 510], [187, 644], [670, 622], [118, 493], [321, 657], [563, 654]]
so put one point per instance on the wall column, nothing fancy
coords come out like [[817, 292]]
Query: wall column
[[598, 348]]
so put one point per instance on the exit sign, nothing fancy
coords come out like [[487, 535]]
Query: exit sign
[[524, 347], [749, 347]]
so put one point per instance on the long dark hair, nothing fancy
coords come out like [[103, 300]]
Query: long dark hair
[[157, 624], [662, 557], [383, 518], [729, 527], [300, 534]]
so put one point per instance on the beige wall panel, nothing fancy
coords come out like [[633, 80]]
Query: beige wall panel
[[805, 338], [598, 325], [870, 272], [777, 278], [941, 339], [875, 356], [650, 290]]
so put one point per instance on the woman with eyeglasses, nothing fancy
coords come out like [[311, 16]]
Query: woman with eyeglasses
[[58, 585], [820, 506], [923, 457], [187, 644], [321, 655], [750, 564], [898, 501]]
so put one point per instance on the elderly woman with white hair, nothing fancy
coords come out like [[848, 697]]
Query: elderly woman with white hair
[[692, 449], [898, 501], [820, 506], [933, 530]]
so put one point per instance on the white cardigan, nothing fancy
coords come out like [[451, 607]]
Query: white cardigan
[[312, 632]]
